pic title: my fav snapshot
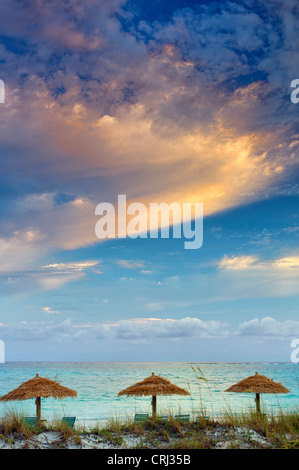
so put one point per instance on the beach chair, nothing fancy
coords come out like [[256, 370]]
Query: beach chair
[[199, 416], [69, 421], [141, 417], [183, 418], [31, 421]]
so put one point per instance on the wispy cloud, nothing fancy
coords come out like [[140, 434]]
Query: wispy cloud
[[50, 310], [251, 277], [47, 277], [71, 267], [129, 264], [236, 262], [254, 263]]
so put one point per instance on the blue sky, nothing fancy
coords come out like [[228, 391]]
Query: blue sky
[[164, 102]]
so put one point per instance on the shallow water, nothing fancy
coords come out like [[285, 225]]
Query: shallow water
[[98, 383]]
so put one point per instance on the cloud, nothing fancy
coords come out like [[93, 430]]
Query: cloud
[[43, 226], [53, 282], [129, 264], [248, 276], [70, 267], [172, 329], [185, 109], [36, 278], [269, 327], [19, 250], [140, 329], [253, 263], [291, 262], [203, 106], [236, 262], [50, 310], [147, 330], [37, 331]]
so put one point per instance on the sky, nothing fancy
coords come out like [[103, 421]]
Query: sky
[[175, 102]]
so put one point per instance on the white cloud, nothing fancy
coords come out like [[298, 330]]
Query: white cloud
[[53, 282], [138, 329], [71, 266], [148, 330], [46, 228], [269, 327], [129, 264], [236, 262], [157, 283], [250, 277], [254, 263], [290, 262], [47, 277], [37, 331], [49, 310], [19, 250]]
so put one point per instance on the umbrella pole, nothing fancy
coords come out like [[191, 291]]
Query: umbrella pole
[[38, 408], [257, 402], [154, 405]]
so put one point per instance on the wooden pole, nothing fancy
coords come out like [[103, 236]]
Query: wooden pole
[[154, 405], [38, 408], [257, 402]]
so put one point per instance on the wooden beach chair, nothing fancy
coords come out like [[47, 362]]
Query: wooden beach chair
[[183, 418], [69, 421], [31, 421], [199, 416], [141, 417]]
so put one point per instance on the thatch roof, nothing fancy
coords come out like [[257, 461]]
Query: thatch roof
[[257, 384], [39, 387], [153, 385]]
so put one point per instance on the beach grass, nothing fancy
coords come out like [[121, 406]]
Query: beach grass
[[280, 431], [12, 423]]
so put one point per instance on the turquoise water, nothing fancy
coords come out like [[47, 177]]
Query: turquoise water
[[98, 384]]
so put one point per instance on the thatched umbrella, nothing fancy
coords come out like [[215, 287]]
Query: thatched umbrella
[[38, 388], [257, 384], [153, 385]]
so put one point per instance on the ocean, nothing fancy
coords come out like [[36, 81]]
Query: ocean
[[98, 383]]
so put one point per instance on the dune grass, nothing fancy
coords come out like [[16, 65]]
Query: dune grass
[[281, 431]]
